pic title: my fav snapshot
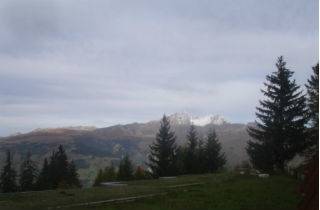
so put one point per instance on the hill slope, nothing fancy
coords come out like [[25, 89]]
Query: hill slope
[[95, 148]]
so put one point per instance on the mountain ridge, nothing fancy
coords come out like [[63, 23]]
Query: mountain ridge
[[96, 148]]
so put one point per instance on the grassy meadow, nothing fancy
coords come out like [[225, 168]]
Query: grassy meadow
[[223, 191]]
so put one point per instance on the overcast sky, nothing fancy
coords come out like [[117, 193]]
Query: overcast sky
[[101, 62]]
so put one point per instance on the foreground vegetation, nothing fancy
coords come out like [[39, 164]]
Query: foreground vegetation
[[207, 191], [56, 173]]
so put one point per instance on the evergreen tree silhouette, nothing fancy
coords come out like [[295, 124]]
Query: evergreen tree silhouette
[[61, 165], [313, 106], [73, 176], [215, 160], [191, 161], [28, 174], [125, 169], [44, 182], [8, 176], [201, 157], [106, 175], [110, 173], [280, 130], [99, 178], [162, 158], [181, 154], [61, 173]]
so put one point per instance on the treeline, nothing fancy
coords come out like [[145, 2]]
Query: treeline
[[168, 159], [125, 172], [287, 120], [58, 172], [197, 156]]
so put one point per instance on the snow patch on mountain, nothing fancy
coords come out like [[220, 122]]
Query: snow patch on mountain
[[185, 118], [202, 121]]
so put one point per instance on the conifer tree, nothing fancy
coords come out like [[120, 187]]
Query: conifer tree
[[191, 161], [28, 174], [53, 171], [280, 130], [313, 108], [106, 175], [8, 176], [62, 173], [73, 176], [58, 172], [181, 154], [110, 173], [215, 160], [99, 178], [58, 168], [201, 157], [162, 158], [44, 182], [62, 166], [125, 169]]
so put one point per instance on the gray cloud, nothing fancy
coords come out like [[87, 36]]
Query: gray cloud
[[107, 62]]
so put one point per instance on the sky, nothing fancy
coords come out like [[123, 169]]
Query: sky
[[105, 62]]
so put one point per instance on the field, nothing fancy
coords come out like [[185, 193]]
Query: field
[[223, 191]]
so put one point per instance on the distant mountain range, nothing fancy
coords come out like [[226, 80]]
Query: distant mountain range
[[93, 148]]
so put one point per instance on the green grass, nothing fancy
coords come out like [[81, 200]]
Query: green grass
[[217, 191]]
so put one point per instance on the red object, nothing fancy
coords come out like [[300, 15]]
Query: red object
[[310, 185]]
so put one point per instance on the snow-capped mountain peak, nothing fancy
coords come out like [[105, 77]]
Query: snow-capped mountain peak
[[210, 119], [184, 118]]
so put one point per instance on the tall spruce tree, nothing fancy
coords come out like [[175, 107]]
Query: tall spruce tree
[[313, 106], [73, 176], [28, 174], [125, 169], [279, 133], [191, 161], [8, 176], [214, 158], [44, 182], [62, 165], [58, 168], [162, 158], [62, 173]]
